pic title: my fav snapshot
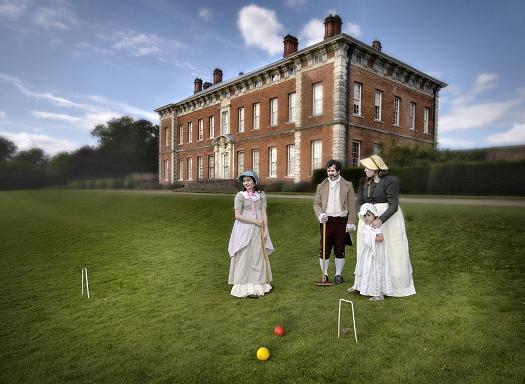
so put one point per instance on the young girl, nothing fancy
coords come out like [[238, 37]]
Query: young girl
[[250, 271], [371, 271]]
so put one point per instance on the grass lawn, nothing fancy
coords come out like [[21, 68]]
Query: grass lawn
[[160, 309]]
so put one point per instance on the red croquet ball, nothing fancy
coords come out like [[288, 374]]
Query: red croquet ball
[[278, 331]]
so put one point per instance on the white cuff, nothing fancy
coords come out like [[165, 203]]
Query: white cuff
[[350, 227]]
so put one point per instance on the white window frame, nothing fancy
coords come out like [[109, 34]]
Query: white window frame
[[292, 97], [356, 153], [272, 162], [200, 124], [290, 160], [412, 116], [274, 112], [211, 122], [181, 169], [377, 149], [240, 162], [190, 168], [317, 99], [256, 116], [166, 137], [211, 166], [199, 167], [396, 110], [426, 117], [241, 119], [256, 156], [190, 132], [226, 169], [316, 155], [378, 105], [181, 134], [357, 98], [225, 120], [166, 170]]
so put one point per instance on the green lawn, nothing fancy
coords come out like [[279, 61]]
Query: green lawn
[[160, 309]]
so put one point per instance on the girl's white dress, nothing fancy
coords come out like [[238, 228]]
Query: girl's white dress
[[250, 272], [371, 271]]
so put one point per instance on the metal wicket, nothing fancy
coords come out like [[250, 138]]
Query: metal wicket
[[339, 318], [85, 274]]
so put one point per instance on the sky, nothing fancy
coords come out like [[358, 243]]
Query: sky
[[68, 65]]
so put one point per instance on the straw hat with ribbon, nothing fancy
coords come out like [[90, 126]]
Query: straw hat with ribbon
[[374, 163]]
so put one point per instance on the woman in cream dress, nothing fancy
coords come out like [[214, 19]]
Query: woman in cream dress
[[382, 190], [250, 272]]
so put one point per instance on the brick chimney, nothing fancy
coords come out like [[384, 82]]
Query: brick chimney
[[332, 26], [217, 75], [206, 85], [376, 44], [197, 85], [290, 45]]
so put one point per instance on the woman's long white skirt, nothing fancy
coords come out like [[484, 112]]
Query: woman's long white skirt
[[396, 279]]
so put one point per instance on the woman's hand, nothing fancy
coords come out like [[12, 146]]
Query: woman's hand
[[376, 223], [259, 222]]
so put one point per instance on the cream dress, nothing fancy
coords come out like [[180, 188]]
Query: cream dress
[[250, 273]]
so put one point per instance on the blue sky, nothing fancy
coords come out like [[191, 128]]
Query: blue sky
[[68, 65]]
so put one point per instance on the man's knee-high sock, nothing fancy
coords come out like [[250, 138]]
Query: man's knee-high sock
[[339, 265]]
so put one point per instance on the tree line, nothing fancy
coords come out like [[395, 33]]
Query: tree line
[[124, 146]]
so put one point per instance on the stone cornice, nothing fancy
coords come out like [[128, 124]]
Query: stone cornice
[[290, 66]]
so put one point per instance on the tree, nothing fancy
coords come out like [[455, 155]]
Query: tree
[[35, 156], [7, 149], [131, 145]]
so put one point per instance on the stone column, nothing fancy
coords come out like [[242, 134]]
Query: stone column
[[340, 102]]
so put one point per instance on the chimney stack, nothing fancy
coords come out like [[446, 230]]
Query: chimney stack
[[197, 85], [206, 85], [332, 26], [217, 76], [376, 44], [290, 45]]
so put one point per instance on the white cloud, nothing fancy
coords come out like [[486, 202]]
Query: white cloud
[[125, 109], [13, 9], [58, 15], [448, 142], [56, 116], [205, 14], [3, 115], [313, 32], [352, 29], [261, 29], [475, 116], [295, 3], [484, 82], [50, 145], [467, 113], [99, 110], [140, 44], [514, 136]]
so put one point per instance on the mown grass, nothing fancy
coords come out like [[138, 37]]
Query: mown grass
[[160, 309]]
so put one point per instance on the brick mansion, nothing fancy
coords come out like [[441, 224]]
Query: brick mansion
[[339, 98]]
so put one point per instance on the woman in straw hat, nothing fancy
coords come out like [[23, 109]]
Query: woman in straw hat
[[382, 190], [250, 272]]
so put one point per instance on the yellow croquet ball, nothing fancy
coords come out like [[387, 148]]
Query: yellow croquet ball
[[263, 353]]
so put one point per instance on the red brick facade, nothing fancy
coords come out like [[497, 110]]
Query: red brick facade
[[332, 67]]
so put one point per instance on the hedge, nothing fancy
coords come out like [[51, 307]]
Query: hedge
[[495, 178]]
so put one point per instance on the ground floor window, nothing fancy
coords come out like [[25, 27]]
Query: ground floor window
[[356, 153]]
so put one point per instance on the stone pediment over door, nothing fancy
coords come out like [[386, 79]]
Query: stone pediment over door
[[224, 150]]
